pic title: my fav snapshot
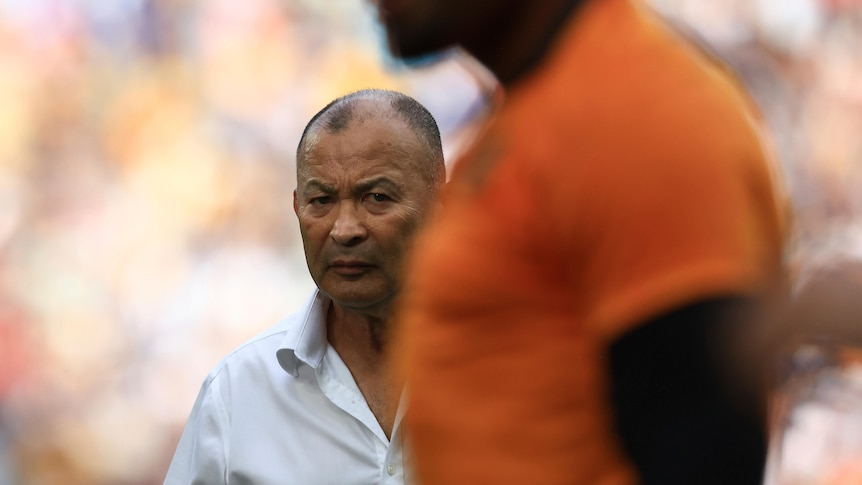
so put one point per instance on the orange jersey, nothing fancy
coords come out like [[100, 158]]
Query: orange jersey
[[624, 177]]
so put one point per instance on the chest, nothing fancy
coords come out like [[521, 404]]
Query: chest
[[318, 430]]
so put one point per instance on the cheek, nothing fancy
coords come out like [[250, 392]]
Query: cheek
[[313, 235], [402, 235], [412, 221]]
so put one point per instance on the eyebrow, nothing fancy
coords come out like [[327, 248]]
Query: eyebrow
[[360, 188], [382, 181], [314, 184]]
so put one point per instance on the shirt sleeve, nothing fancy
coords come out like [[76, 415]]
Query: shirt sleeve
[[201, 455]]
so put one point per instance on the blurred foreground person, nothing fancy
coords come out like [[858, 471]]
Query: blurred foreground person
[[310, 400], [564, 316]]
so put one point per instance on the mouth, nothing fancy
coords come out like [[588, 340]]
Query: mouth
[[350, 268]]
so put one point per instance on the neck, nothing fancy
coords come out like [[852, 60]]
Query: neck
[[359, 337], [521, 39], [360, 340]]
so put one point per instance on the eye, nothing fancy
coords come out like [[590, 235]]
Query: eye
[[378, 197], [322, 200]]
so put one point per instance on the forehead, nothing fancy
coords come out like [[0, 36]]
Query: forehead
[[366, 143]]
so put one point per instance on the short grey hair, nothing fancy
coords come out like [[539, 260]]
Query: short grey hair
[[337, 115]]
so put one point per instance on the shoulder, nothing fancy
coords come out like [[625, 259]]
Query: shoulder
[[633, 99], [619, 68], [257, 354]]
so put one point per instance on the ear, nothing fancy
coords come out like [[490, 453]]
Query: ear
[[295, 204]]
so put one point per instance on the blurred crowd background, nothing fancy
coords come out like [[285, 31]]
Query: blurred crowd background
[[146, 176]]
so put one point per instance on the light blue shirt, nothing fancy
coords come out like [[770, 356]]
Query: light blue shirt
[[283, 409]]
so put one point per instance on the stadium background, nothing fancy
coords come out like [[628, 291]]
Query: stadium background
[[146, 171]]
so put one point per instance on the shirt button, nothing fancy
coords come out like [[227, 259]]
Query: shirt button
[[390, 470]]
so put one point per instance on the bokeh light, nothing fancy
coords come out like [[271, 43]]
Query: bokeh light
[[146, 176]]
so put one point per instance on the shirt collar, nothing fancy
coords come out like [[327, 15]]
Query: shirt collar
[[305, 342]]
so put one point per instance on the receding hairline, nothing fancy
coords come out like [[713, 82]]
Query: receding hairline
[[340, 113]]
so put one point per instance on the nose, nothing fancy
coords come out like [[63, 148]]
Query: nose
[[348, 228]]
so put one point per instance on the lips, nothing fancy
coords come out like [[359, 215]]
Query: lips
[[351, 267]]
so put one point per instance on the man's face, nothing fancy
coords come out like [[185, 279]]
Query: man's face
[[361, 196]]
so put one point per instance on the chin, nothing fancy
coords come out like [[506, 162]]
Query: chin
[[358, 304], [356, 300]]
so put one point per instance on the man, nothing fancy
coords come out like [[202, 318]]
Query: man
[[309, 400], [564, 317]]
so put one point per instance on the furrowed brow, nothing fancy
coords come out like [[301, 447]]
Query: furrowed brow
[[314, 185], [377, 182]]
